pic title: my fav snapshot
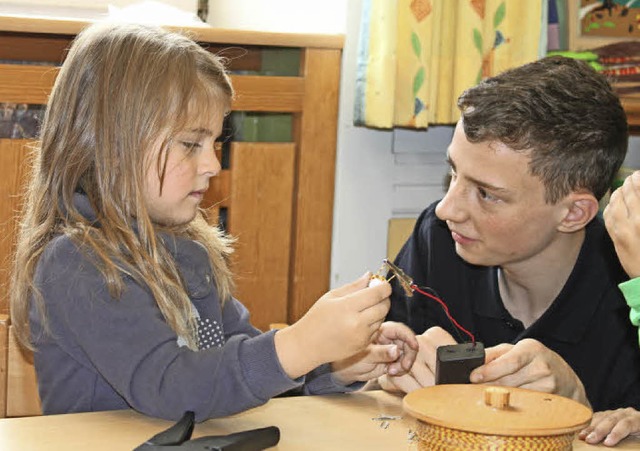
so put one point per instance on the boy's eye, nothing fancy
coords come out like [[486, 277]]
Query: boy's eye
[[484, 195]]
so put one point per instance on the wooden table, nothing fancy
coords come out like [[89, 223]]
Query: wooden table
[[335, 422]]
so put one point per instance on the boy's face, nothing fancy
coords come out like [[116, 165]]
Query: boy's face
[[495, 208], [190, 163]]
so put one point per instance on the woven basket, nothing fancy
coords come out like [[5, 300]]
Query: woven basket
[[479, 417]]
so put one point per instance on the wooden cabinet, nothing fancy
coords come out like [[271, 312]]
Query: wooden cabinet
[[278, 195]]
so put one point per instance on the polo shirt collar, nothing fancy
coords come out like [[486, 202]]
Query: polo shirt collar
[[569, 316]]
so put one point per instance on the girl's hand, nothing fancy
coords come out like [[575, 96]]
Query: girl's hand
[[611, 426], [339, 325], [622, 219], [393, 352]]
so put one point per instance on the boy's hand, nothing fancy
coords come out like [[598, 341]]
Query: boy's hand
[[530, 364], [340, 324], [611, 426], [393, 352]]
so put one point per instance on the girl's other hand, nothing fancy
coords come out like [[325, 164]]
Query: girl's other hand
[[393, 351], [339, 325]]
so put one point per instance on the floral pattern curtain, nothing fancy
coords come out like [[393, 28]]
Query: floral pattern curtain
[[417, 56]]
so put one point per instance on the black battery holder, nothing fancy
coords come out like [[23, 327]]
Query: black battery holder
[[455, 363]]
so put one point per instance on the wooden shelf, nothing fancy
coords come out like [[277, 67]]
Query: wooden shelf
[[203, 33]]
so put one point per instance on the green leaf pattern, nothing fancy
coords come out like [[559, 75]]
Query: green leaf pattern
[[477, 39], [498, 17], [418, 81], [415, 44]]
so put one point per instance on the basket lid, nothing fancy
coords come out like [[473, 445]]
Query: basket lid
[[496, 410]]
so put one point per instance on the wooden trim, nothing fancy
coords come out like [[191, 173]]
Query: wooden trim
[[23, 399], [25, 47], [32, 84], [315, 130], [219, 191], [26, 84], [265, 93], [204, 33], [4, 354], [15, 160]]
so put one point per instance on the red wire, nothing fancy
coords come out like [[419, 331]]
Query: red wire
[[446, 310]]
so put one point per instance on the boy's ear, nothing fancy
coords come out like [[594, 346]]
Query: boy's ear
[[581, 208]]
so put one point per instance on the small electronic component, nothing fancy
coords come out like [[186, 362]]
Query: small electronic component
[[405, 281], [454, 363]]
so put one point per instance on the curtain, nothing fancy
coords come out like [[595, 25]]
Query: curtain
[[415, 57]]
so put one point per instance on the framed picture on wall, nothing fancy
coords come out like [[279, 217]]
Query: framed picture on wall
[[594, 23]]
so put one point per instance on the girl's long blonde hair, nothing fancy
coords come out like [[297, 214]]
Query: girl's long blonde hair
[[122, 86]]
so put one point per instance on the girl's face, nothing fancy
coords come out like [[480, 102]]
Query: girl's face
[[190, 163]]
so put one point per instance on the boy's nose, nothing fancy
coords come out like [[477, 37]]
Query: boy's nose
[[451, 207]]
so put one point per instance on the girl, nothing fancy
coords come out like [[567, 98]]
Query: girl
[[120, 285], [622, 218]]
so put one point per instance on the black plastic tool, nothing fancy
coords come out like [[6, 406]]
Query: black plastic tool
[[177, 437]]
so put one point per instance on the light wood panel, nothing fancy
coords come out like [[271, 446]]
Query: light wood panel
[[399, 230], [32, 84], [315, 131], [13, 167], [22, 385], [260, 217], [26, 84], [273, 94], [217, 196], [4, 352]]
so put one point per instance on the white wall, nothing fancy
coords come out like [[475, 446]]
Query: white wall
[[633, 154], [292, 16], [96, 9]]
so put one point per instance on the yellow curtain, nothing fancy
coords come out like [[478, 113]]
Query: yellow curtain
[[417, 56]]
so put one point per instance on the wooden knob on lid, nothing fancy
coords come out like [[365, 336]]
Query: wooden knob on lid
[[497, 397]]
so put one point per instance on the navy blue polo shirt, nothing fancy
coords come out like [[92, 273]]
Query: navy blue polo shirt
[[587, 324]]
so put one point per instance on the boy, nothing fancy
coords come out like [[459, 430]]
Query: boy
[[515, 248]]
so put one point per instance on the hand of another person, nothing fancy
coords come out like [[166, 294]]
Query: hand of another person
[[611, 426], [422, 373], [393, 351], [530, 364], [340, 324], [622, 219]]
